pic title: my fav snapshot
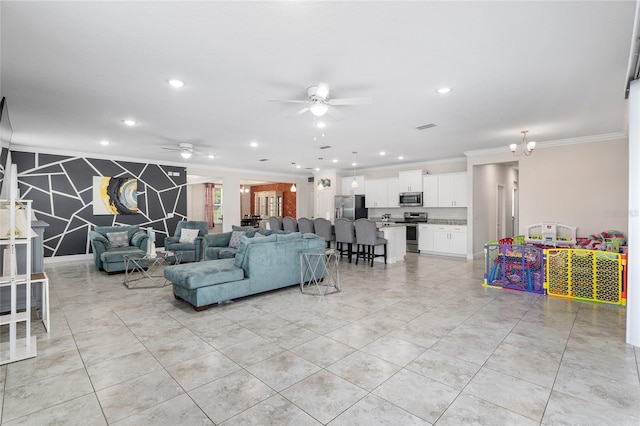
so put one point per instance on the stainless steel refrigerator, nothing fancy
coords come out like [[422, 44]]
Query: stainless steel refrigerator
[[350, 207]]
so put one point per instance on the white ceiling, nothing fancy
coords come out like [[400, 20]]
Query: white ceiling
[[72, 71]]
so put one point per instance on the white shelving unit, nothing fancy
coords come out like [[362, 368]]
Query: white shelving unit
[[17, 348]]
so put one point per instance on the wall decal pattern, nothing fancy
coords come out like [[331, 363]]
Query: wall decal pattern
[[61, 188]]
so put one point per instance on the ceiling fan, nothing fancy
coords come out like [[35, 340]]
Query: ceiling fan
[[185, 149], [318, 101]]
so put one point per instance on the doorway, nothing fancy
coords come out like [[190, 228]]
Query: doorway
[[501, 216]]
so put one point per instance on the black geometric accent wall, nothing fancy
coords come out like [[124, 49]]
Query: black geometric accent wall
[[61, 189]]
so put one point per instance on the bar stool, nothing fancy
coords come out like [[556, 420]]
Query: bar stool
[[367, 239], [275, 223], [289, 224], [305, 225], [323, 229], [345, 234]]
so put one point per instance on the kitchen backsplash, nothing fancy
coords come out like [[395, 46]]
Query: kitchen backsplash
[[453, 213]]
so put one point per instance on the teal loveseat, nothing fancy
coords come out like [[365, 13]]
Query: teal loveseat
[[109, 258], [260, 264], [220, 246]]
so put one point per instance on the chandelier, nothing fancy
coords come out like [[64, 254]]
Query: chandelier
[[527, 147]]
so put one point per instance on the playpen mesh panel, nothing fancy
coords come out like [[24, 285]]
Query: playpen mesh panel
[[515, 267], [585, 274]]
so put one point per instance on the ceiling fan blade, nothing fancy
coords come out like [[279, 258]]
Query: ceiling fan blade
[[170, 148], [294, 101], [302, 111], [323, 90], [350, 101]]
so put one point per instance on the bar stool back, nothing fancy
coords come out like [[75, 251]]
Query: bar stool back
[[367, 239], [345, 234]]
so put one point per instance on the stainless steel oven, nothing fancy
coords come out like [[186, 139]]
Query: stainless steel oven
[[411, 220]]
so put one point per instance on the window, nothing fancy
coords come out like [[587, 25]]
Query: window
[[217, 205]]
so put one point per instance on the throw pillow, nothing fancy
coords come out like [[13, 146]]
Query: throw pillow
[[259, 235], [234, 242], [118, 239], [188, 236]]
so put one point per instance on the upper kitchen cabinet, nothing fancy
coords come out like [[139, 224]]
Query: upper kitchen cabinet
[[410, 181], [381, 193], [347, 189], [446, 190]]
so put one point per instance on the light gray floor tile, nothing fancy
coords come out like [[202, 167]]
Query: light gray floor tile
[[566, 410], [394, 350], [180, 410], [364, 370], [131, 397], [82, 411], [26, 399], [417, 394], [251, 351], [374, 411], [323, 351], [324, 395], [275, 411], [444, 369], [118, 370], [200, 370], [180, 350], [469, 410], [230, 395], [283, 370], [522, 397], [355, 335], [42, 367]]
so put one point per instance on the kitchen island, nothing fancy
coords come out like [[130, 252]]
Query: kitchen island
[[396, 236]]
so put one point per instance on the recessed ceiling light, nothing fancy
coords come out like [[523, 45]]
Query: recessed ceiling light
[[212, 156], [354, 164], [321, 125], [317, 169], [401, 158], [334, 160], [130, 122], [254, 144], [382, 153], [298, 166], [104, 142], [444, 90], [176, 83]]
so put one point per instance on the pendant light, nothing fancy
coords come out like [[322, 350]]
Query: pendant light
[[293, 178], [354, 182]]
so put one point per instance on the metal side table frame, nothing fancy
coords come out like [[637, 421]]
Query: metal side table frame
[[319, 274], [152, 263]]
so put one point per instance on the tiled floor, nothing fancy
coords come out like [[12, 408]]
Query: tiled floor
[[414, 343]]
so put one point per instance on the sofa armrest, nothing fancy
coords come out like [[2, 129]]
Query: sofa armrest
[[99, 244], [171, 240], [138, 238]]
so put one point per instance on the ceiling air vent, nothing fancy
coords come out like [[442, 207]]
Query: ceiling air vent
[[325, 147], [425, 126], [263, 159]]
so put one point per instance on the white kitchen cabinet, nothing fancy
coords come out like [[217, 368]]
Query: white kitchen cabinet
[[393, 192], [346, 185], [410, 181], [452, 190], [381, 193], [430, 191], [425, 238], [443, 239], [445, 190]]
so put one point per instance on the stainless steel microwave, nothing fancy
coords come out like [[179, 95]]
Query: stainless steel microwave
[[410, 199]]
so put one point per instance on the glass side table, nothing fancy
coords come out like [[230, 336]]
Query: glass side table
[[139, 270], [319, 274]]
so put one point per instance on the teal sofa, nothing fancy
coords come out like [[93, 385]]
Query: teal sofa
[[216, 246], [109, 259], [260, 264]]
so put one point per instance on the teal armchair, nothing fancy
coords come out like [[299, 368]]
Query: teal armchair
[[107, 253], [191, 251]]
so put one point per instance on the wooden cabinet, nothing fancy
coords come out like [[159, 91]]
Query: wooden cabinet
[[443, 239], [445, 190], [348, 190], [268, 203], [381, 193], [410, 181]]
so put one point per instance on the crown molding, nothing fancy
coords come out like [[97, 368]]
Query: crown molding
[[550, 144]]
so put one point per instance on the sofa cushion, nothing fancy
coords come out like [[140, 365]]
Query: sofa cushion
[[246, 242], [227, 252], [234, 241], [289, 237], [118, 239], [115, 254], [202, 274], [218, 240], [188, 236]]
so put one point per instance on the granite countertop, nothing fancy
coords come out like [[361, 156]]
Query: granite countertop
[[459, 222], [380, 223]]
